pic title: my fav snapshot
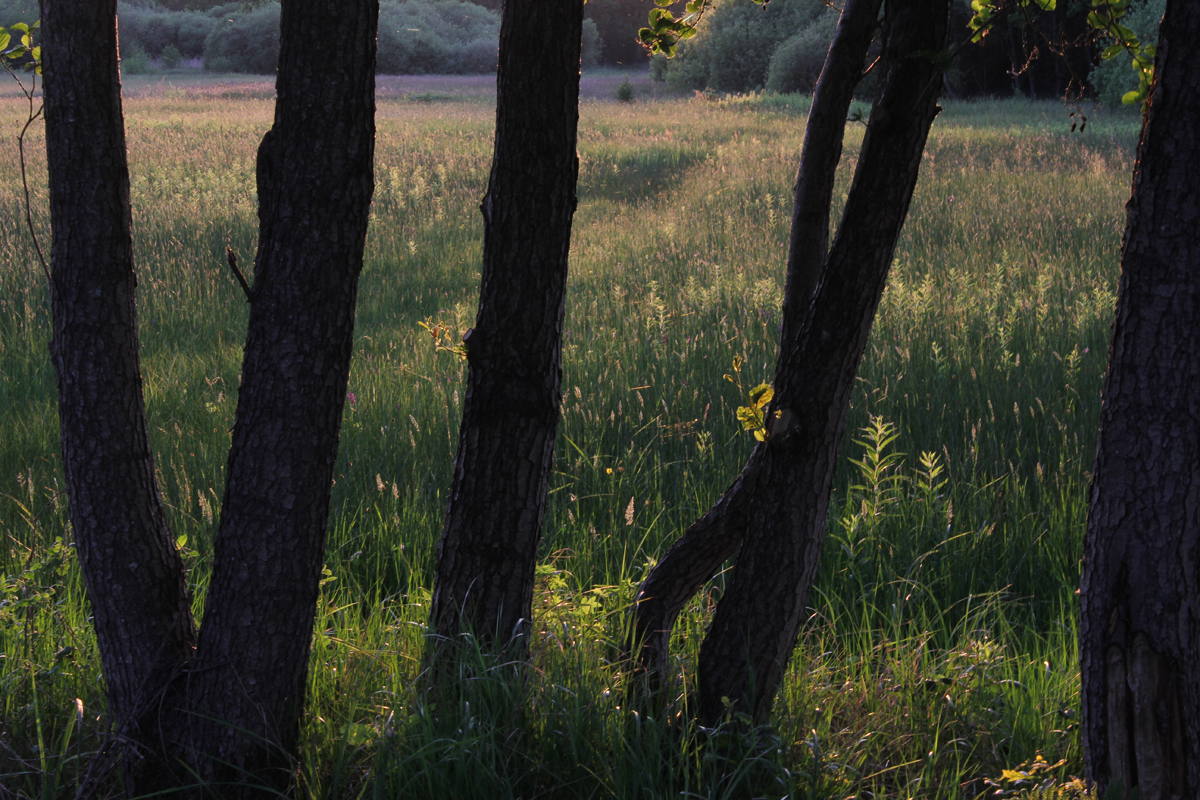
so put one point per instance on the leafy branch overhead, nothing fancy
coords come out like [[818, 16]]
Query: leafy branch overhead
[[665, 31], [1104, 17]]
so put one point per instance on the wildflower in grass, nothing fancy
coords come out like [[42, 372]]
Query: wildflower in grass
[[351, 398]]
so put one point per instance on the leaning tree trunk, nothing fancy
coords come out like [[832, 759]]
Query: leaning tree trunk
[[135, 579], [315, 181], [1140, 624], [488, 551], [698, 555], [757, 621]]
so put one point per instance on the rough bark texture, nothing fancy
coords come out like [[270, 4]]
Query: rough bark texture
[[315, 181], [756, 623], [488, 551], [134, 576], [695, 558], [1140, 624]]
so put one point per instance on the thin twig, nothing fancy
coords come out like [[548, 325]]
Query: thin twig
[[231, 257], [32, 117]]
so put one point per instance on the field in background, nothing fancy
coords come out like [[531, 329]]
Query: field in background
[[941, 647]]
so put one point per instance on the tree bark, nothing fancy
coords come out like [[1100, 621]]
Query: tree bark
[[488, 551], [756, 623], [826, 325], [1140, 587], [315, 180], [134, 576], [695, 558]]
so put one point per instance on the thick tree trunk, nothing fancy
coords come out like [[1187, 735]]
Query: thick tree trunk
[[1140, 623], [488, 551], [781, 522], [134, 576], [756, 623], [230, 715], [315, 181], [695, 558]]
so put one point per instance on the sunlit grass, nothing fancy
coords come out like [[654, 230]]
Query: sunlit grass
[[941, 643]]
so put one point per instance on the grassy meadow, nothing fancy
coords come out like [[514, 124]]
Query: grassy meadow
[[940, 650]]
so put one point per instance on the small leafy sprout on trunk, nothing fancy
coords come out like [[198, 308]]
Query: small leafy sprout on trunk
[[753, 416]]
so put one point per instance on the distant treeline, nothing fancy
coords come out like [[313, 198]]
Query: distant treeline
[[778, 46]]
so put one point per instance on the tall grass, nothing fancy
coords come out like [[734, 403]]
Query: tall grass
[[941, 645]]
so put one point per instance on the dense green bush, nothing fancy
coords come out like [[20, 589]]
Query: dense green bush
[[593, 44], [244, 41], [797, 61], [737, 39], [135, 60], [1113, 78], [437, 36], [154, 28], [415, 36], [12, 11]]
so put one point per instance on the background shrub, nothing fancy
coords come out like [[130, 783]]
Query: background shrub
[[733, 51], [154, 28], [12, 11], [170, 56], [593, 44], [246, 41], [134, 59], [437, 36], [797, 61]]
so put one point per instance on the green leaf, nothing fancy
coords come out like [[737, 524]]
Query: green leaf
[[20, 26], [37, 54], [5, 38], [180, 541], [761, 395], [1112, 51], [1129, 98]]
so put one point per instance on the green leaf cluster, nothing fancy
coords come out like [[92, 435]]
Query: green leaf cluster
[[754, 415], [1105, 17], [665, 31], [24, 49], [985, 12]]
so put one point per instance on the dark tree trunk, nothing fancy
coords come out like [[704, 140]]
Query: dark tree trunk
[[134, 576], [231, 713], [1140, 626], [695, 558], [488, 551], [756, 623], [782, 522], [315, 181]]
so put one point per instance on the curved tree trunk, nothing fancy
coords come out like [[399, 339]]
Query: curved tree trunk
[[695, 558], [488, 551], [825, 333], [134, 576], [315, 181], [1140, 622], [757, 621]]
